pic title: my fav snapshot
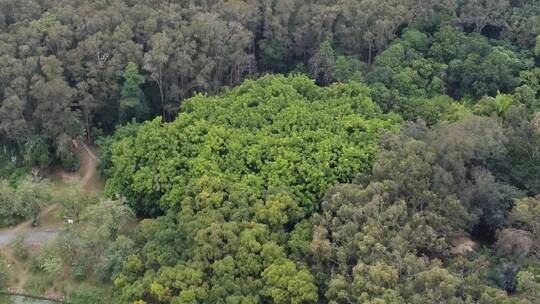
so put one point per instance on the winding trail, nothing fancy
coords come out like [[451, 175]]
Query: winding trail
[[89, 162], [88, 181]]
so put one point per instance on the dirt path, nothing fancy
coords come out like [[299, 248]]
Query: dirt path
[[89, 161], [86, 179]]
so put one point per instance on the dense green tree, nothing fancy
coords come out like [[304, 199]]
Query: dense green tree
[[499, 105], [433, 110], [54, 101], [133, 103], [388, 233], [187, 48], [523, 132], [105, 144], [274, 160], [156, 62], [285, 284], [36, 152], [449, 62], [13, 124], [348, 68]]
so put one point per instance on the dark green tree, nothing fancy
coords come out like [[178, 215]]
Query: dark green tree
[[133, 102]]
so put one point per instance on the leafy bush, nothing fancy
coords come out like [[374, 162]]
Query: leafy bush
[[49, 260]]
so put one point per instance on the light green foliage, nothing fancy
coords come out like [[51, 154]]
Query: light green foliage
[[106, 218], [44, 23], [278, 210], [529, 91], [50, 261], [236, 176], [500, 105], [433, 110], [528, 284], [73, 202], [526, 213], [18, 245], [38, 284], [275, 133], [285, 284]]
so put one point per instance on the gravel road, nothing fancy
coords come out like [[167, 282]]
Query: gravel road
[[35, 236]]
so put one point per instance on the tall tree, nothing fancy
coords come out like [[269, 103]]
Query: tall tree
[[156, 61], [322, 63], [480, 13], [55, 109], [133, 102]]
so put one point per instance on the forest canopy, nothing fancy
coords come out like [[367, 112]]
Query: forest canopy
[[281, 151], [79, 68]]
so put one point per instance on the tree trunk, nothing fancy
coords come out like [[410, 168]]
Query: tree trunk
[[162, 101], [159, 81]]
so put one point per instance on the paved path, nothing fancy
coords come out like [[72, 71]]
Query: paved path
[[33, 236]]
